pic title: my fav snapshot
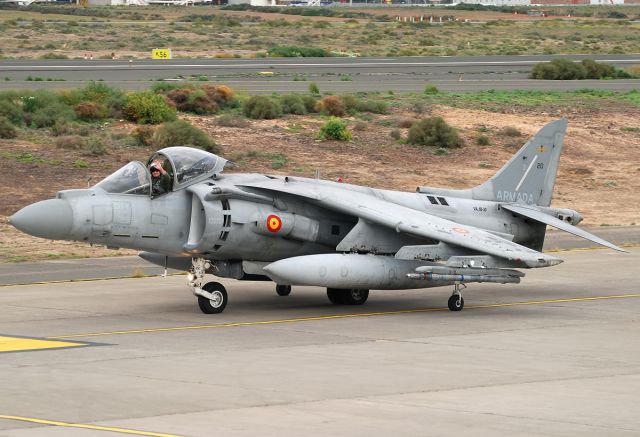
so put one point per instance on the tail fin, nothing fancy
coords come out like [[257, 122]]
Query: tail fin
[[530, 175]]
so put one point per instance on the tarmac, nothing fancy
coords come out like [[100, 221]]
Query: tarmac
[[556, 355]]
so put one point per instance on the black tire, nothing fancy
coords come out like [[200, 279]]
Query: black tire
[[356, 296], [456, 303], [217, 306], [353, 296], [283, 290], [336, 295]]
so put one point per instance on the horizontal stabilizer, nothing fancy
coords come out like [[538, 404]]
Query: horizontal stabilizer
[[537, 215]]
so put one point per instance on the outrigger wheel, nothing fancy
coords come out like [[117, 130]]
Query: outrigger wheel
[[218, 300], [456, 302], [352, 296]]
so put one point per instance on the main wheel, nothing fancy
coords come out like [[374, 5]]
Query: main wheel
[[456, 302], [219, 301], [353, 296], [356, 296], [283, 290]]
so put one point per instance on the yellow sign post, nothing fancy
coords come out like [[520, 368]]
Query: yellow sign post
[[161, 54]]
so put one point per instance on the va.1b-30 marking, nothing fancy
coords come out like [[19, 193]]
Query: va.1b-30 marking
[[189, 215]]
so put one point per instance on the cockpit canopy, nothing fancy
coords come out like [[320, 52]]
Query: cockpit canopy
[[184, 165]]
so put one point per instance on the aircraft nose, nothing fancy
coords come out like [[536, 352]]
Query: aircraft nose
[[51, 219]]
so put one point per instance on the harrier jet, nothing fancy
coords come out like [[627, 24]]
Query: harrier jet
[[183, 211]]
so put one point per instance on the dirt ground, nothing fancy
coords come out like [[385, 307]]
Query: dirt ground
[[599, 173]]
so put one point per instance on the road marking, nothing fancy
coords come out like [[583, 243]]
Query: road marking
[[337, 316], [84, 426], [22, 344]]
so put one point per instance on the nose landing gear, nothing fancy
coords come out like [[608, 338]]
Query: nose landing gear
[[212, 296]]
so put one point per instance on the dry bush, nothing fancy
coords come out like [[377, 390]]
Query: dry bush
[[405, 122], [90, 111], [70, 142], [331, 105]]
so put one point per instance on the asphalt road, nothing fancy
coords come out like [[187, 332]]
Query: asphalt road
[[405, 74], [555, 355]]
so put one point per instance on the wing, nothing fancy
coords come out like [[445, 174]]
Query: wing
[[369, 207]]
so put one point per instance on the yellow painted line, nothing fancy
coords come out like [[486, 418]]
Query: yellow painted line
[[14, 344], [84, 426], [338, 316]]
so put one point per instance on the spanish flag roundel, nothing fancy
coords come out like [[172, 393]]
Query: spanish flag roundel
[[274, 223]]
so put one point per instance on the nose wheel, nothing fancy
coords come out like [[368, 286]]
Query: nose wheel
[[352, 296], [215, 299], [212, 296], [456, 302]]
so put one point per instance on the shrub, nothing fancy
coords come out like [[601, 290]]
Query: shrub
[[181, 133], [483, 140], [313, 88], [221, 94], [335, 129], [372, 106], [360, 126], [597, 70], [262, 107], [143, 135], [395, 134], [146, 107], [331, 105], [309, 103], [12, 111], [510, 131], [200, 103], [558, 69], [297, 52], [7, 129], [232, 120], [406, 122], [430, 89], [293, 104], [49, 115], [433, 132], [70, 142], [90, 111], [95, 146], [96, 92]]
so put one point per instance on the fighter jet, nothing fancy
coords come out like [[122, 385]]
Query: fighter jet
[[183, 211]]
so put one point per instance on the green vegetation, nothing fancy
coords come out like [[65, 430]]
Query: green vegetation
[[262, 107], [297, 52], [181, 133], [433, 132], [334, 129], [145, 107], [7, 129], [565, 69]]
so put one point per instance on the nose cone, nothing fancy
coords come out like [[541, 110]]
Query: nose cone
[[51, 219]]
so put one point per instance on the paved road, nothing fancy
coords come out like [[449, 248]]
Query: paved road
[[331, 74], [127, 266], [556, 356]]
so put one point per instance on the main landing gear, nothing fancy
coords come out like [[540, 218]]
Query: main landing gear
[[283, 290], [342, 296], [456, 302], [212, 296]]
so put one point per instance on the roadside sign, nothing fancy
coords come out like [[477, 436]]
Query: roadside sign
[[161, 54]]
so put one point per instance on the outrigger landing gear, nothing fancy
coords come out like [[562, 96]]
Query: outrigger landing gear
[[212, 297], [456, 302]]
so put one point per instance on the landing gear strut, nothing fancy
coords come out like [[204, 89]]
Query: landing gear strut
[[352, 296], [456, 302], [212, 296]]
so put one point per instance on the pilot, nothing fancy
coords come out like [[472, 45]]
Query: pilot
[[160, 179]]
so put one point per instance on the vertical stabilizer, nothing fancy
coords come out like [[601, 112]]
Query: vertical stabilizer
[[530, 175]]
